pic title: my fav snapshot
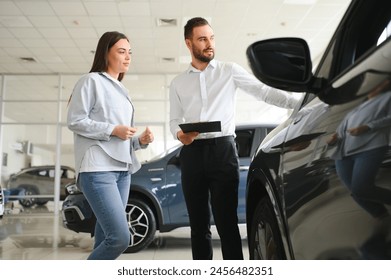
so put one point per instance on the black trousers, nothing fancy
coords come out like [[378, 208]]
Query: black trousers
[[210, 180]]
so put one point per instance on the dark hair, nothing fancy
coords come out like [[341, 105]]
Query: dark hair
[[107, 40], [192, 23]]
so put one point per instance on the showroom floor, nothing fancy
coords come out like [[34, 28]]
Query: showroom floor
[[38, 234]]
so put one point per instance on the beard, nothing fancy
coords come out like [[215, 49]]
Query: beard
[[198, 54]]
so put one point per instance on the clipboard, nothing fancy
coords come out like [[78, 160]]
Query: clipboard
[[201, 127]]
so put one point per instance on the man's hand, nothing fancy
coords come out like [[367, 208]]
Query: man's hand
[[146, 137], [186, 138], [124, 132]]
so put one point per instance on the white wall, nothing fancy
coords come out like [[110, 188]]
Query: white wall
[[31, 102]]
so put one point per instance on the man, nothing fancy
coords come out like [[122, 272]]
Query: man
[[209, 161]]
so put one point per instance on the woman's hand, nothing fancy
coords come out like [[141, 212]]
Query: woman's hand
[[124, 132], [333, 139], [355, 131], [146, 137]]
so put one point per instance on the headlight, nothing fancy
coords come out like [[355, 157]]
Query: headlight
[[73, 189]]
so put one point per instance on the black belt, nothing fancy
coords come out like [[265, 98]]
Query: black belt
[[213, 141]]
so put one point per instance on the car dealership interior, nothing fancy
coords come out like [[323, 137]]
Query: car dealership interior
[[45, 47]]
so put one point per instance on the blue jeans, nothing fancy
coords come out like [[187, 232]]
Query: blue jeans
[[108, 193], [358, 173]]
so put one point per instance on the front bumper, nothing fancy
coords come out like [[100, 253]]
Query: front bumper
[[77, 214]]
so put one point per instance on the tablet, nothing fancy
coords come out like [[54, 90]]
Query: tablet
[[201, 127]]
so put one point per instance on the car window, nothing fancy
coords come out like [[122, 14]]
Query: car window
[[244, 141], [41, 173], [386, 33], [162, 155], [174, 160], [51, 173], [268, 129], [356, 37], [67, 174]]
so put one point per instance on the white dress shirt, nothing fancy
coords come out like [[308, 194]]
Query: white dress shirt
[[209, 95]]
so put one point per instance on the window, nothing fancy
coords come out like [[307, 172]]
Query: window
[[386, 33], [356, 37], [244, 140], [41, 173]]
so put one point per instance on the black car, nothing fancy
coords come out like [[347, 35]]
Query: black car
[[156, 200], [303, 201]]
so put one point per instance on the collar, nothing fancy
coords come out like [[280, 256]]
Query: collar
[[116, 82], [112, 79], [191, 68], [108, 76]]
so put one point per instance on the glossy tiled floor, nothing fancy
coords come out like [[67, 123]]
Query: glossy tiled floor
[[38, 234]]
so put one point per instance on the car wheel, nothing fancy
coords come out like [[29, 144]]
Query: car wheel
[[142, 225], [265, 241], [42, 202], [28, 201]]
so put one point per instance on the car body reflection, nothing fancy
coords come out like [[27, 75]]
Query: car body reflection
[[298, 206]]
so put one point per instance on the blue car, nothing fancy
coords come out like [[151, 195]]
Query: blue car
[[156, 200]]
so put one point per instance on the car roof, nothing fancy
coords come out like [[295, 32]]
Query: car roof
[[42, 167]]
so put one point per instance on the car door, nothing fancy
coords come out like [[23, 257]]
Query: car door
[[174, 193], [44, 180], [326, 216], [306, 199], [247, 140]]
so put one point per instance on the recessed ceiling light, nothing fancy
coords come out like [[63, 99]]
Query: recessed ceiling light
[[167, 59], [166, 22], [27, 59]]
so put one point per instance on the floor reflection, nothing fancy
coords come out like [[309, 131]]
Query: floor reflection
[[37, 233]]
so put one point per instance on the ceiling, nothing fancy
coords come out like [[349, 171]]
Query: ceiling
[[60, 36]]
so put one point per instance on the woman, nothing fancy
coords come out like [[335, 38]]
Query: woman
[[363, 140], [101, 117]]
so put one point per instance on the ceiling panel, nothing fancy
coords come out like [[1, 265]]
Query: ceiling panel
[[61, 36]]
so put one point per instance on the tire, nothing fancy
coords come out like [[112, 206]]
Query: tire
[[265, 240], [28, 202], [41, 202], [142, 225]]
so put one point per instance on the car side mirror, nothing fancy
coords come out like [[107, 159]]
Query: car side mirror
[[283, 63]]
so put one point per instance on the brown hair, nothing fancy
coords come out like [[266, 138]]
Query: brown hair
[[192, 23], [107, 40]]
